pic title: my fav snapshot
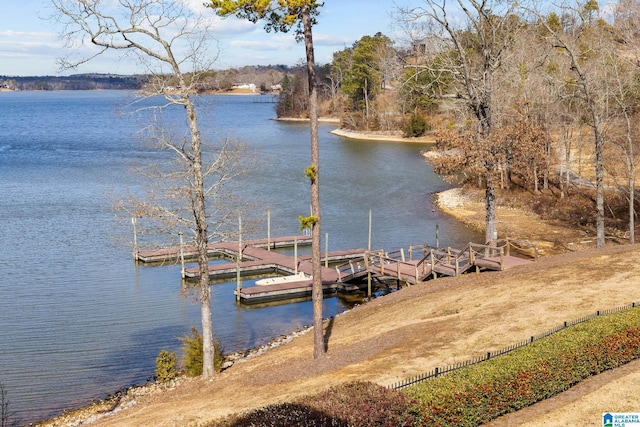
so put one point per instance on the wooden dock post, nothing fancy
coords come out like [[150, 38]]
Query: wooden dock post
[[238, 260], [369, 245], [182, 271], [295, 255], [268, 229], [367, 266], [326, 250], [135, 239]]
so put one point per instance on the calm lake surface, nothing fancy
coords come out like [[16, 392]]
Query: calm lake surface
[[79, 320]]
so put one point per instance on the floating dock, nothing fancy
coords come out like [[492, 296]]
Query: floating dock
[[351, 267], [189, 252]]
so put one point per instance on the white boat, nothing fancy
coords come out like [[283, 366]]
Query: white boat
[[298, 277]]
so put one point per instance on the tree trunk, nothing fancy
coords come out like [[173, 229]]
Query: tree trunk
[[199, 214], [490, 206], [632, 211], [316, 296], [599, 166]]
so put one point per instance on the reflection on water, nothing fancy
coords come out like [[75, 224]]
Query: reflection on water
[[76, 314]]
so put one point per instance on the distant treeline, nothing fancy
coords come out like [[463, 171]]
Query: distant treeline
[[74, 82], [263, 77]]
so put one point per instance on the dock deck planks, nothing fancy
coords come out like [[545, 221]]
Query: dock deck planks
[[257, 259]]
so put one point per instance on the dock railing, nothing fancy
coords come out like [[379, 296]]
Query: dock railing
[[424, 260], [450, 260], [502, 248]]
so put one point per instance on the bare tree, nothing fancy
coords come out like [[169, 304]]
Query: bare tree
[[169, 39], [579, 44], [625, 94], [471, 47]]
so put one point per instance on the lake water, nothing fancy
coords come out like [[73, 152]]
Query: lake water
[[79, 320]]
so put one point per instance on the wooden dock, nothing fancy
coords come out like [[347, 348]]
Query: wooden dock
[[351, 267], [260, 261], [256, 260], [217, 249]]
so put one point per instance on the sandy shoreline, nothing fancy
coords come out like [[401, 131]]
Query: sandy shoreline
[[382, 136]]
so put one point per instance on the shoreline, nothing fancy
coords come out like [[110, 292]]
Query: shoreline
[[125, 397], [381, 136], [301, 119]]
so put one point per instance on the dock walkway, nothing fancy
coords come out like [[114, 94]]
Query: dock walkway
[[435, 262], [351, 266], [214, 249]]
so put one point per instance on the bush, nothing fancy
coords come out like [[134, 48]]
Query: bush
[[477, 394], [356, 404], [193, 356], [166, 366], [282, 414], [365, 404], [415, 126]]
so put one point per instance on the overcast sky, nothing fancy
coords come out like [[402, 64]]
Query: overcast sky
[[29, 43]]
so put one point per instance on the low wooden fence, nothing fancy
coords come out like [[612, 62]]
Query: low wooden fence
[[491, 354]]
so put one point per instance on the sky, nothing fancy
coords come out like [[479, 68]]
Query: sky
[[30, 43]]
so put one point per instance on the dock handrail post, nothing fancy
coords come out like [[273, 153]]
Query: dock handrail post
[[295, 255], [402, 254], [268, 229], [367, 266], [182, 272], [472, 256], [501, 259], [369, 244], [508, 247], [433, 265], [239, 259], [326, 250], [135, 239]]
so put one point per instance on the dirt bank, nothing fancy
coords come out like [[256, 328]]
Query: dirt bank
[[551, 237]]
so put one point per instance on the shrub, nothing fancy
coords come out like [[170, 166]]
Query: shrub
[[284, 414], [365, 404], [193, 356], [347, 405], [477, 394], [166, 366], [415, 126]]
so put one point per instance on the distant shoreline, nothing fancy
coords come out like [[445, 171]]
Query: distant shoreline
[[364, 136]]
